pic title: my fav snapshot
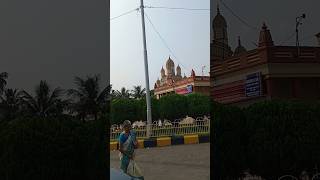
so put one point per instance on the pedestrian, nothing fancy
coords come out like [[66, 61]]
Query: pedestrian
[[127, 144]]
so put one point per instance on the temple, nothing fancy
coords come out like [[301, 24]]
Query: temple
[[242, 76], [172, 82]]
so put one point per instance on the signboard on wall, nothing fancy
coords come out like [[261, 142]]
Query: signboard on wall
[[186, 90], [253, 85]]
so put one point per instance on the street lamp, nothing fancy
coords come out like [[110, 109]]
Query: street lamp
[[203, 67], [299, 22]]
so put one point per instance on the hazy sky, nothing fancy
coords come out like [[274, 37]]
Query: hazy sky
[[279, 17], [185, 32], [53, 40]]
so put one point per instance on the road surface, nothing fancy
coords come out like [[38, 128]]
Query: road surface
[[179, 162]]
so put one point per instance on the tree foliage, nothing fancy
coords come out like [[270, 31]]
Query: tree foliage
[[90, 99], [3, 81], [167, 107], [271, 138], [46, 101], [52, 148]]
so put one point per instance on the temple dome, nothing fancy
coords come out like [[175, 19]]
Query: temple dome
[[169, 63], [240, 49], [178, 70], [219, 20]]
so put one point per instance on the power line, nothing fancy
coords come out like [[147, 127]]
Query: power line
[[177, 8], [160, 7], [306, 38], [238, 17], [123, 14], [287, 39], [163, 41]]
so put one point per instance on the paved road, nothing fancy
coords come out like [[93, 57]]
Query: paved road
[[180, 162]]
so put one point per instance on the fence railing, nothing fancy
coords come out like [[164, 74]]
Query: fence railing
[[285, 177], [167, 128]]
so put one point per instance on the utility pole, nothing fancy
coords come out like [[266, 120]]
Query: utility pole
[[149, 116]]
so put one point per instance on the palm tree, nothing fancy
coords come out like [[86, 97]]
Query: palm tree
[[3, 82], [10, 103], [123, 93], [138, 92], [46, 102], [89, 99], [112, 93]]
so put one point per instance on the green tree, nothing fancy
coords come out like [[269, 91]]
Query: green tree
[[90, 100], [142, 109], [283, 137], [53, 148], [10, 103], [138, 92], [124, 109], [173, 106], [229, 141], [198, 105], [46, 102], [270, 138], [3, 82], [123, 93]]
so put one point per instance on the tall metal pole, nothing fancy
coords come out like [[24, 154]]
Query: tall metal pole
[[149, 116], [297, 36], [298, 22]]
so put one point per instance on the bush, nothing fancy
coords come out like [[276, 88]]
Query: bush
[[173, 107], [228, 141], [53, 148], [198, 105], [168, 107], [270, 138], [124, 109]]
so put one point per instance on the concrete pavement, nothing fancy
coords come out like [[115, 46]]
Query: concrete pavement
[[180, 162]]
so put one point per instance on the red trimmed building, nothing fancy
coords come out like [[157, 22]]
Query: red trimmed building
[[172, 82], [242, 77]]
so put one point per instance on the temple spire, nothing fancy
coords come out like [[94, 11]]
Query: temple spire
[[265, 38]]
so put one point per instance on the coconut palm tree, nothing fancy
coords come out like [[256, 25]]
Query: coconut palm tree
[[3, 82], [138, 92], [112, 93], [123, 93], [10, 103], [89, 99], [46, 102]]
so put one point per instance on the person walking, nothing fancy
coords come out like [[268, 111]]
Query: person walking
[[127, 144]]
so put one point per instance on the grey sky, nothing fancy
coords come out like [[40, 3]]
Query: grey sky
[[53, 41], [185, 32], [279, 17]]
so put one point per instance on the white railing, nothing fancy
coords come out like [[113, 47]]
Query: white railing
[[167, 128]]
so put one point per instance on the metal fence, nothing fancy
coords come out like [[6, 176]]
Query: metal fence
[[285, 177], [200, 125]]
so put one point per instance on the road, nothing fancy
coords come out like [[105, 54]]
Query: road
[[180, 162]]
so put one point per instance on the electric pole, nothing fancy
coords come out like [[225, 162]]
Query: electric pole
[[149, 116]]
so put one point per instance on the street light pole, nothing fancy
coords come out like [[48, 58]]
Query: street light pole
[[149, 116], [298, 22], [202, 70]]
